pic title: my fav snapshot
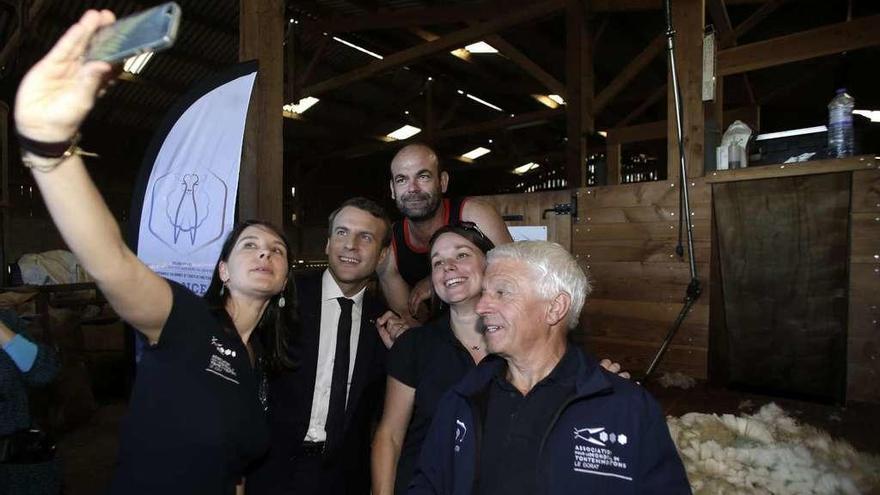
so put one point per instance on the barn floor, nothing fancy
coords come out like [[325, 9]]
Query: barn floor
[[88, 453]]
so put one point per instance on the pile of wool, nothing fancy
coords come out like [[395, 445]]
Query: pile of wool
[[769, 452], [676, 379]]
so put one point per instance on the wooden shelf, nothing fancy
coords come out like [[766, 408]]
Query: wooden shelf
[[861, 162]]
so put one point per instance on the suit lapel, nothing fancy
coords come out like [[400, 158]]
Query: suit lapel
[[309, 287]]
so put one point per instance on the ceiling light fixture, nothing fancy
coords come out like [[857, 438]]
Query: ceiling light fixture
[[525, 168], [546, 101], [358, 48], [558, 99], [874, 115], [301, 106], [134, 65], [481, 101], [476, 153], [404, 132], [793, 132], [480, 47]]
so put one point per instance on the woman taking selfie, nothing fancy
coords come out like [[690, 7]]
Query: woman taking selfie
[[195, 422]]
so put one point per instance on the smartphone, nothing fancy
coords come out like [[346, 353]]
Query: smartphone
[[152, 30]]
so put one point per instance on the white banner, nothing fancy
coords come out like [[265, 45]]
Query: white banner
[[189, 200]]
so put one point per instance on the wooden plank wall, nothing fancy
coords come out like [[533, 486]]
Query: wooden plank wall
[[626, 237], [863, 349], [531, 206]]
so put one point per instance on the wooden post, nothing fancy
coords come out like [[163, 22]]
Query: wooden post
[[5, 203], [261, 35], [579, 88], [612, 163], [292, 87], [687, 19]]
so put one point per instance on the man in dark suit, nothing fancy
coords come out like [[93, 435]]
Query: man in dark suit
[[321, 413]]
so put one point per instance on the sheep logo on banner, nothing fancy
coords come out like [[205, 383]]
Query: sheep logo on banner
[[460, 433], [190, 204]]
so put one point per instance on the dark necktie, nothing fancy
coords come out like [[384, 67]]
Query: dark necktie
[[339, 386]]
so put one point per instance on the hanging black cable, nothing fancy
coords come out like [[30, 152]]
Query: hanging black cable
[[684, 217]]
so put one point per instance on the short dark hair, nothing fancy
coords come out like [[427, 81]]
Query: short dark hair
[[469, 231], [369, 206]]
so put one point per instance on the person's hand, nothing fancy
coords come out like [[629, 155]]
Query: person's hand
[[613, 367], [6, 334], [422, 291], [390, 327], [59, 91]]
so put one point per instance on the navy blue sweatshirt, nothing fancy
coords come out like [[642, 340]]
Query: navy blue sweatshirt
[[610, 437]]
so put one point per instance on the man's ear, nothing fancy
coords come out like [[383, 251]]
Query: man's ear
[[444, 181], [382, 254], [558, 309], [391, 187], [327, 247]]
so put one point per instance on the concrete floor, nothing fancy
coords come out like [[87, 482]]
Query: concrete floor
[[88, 453]]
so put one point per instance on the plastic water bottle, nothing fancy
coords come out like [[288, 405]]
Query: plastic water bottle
[[840, 125]]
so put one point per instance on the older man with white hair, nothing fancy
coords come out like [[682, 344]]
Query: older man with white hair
[[543, 417]]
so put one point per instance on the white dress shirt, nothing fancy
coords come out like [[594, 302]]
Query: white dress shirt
[[330, 312]]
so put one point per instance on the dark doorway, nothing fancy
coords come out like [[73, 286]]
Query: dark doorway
[[778, 324]]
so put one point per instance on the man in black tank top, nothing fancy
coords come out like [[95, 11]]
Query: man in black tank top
[[417, 187]]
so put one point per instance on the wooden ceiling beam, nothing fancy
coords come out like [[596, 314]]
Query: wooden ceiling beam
[[826, 40], [650, 101], [632, 69], [514, 55], [527, 64], [411, 17], [501, 123], [444, 43], [753, 20], [723, 27], [439, 135], [637, 5], [657, 45], [33, 15]]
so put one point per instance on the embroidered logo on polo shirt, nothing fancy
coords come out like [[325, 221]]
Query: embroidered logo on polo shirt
[[598, 452], [218, 363], [460, 433]]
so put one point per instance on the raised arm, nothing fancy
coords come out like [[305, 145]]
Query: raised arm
[[488, 219], [388, 440], [52, 101], [394, 288]]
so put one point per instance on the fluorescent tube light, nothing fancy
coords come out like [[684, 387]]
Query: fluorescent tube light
[[557, 99], [874, 115], [404, 132], [481, 47], [793, 132], [136, 64], [358, 48], [476, 153], [525, 168], [482, 102], [302, 105]]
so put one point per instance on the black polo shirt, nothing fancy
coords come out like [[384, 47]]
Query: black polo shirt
[[431, 360], [515, 424], [194, 423]]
